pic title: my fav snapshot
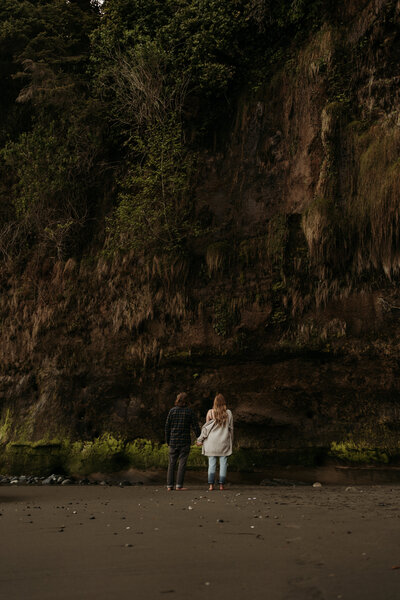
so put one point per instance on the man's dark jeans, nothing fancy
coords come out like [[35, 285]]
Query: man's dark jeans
[[177, 454]]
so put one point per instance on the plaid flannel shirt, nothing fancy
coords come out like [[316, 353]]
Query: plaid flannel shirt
[[177, 427]]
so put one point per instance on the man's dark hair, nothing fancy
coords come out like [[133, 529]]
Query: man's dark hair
[[181, 399]]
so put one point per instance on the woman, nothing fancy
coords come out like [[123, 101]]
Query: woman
[[216, 438]]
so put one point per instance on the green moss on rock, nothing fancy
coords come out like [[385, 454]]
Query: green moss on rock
[[32, 458], [358, 453], [108, 454]]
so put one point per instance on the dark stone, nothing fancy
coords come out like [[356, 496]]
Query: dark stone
[[48, 481], [274, 482]]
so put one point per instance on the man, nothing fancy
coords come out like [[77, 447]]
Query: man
[[177, 434]]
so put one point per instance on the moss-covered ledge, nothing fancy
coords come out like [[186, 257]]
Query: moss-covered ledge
[[107, 454]]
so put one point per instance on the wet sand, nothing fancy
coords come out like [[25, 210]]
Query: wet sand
[[302, 543]]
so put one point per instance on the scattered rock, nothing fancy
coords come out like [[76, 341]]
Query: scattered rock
[[52, 479], [317, 484], [274, 482], [55, 479]]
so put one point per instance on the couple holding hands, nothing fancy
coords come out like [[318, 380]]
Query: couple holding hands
[[215, 437]]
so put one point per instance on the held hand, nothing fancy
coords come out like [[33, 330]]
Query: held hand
[[199, 444]]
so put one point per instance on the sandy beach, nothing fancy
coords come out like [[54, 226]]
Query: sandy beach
[[301, 543]]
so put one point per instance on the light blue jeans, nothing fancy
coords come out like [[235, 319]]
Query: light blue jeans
[[212, 467]]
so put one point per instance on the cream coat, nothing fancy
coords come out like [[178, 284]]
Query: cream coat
[[217, 440]]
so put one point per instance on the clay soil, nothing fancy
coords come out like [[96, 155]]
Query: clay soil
[[98, 542]]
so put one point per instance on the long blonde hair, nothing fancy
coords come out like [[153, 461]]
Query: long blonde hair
[[220, 414]]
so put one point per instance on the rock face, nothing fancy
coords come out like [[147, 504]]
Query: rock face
[[289, 306]]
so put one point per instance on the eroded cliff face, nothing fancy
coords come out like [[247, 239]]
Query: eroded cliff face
[[288, 305]]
